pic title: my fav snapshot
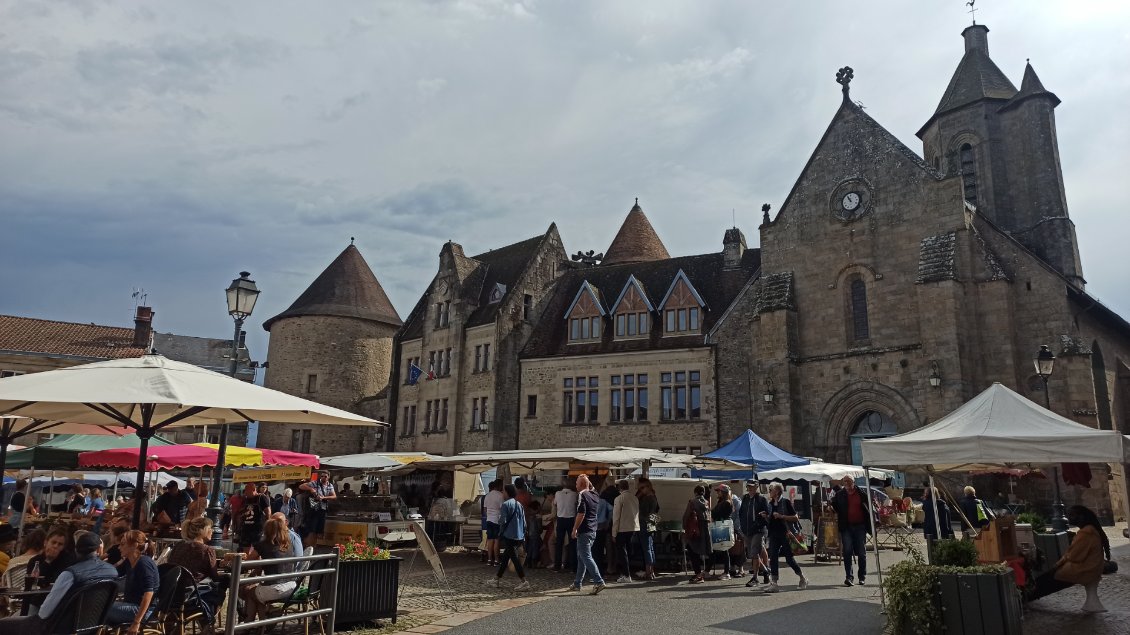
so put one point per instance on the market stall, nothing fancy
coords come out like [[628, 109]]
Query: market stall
[[747, 449]]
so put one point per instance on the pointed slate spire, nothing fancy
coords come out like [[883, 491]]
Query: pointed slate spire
[[1031, 86], [976, 77], [347, 288], [636, 241]]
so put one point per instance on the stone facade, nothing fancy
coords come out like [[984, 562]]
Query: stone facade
[[466, 332], [549, 426]]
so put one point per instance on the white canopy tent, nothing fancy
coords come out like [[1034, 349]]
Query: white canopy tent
[[377, 461], [564, 458], [822, 472], [997, 428], [148, 393]]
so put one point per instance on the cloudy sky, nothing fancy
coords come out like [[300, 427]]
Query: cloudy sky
[[170, 145]]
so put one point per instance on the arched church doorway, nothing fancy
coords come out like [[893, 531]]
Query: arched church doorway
[[870, 425]]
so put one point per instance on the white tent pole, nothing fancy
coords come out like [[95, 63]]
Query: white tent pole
[[937, 517], [874, 536]]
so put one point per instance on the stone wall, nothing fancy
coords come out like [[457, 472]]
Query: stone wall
[[351, 359]]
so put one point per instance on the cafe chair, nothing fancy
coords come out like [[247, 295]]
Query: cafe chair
[[164, 619], [83, 610], [305, 595]]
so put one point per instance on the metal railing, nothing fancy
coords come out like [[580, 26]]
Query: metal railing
[[327, 602]]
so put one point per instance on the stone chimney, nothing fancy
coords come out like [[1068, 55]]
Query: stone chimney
[[733, 248], [976, 37], [143, 327]]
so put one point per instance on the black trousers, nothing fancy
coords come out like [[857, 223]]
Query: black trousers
[[510, 554], [624, 541]]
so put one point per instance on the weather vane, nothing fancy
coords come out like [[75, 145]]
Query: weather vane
[[972, 10]]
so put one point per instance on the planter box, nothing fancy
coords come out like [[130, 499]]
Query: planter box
[[980, 603], [367, 590]]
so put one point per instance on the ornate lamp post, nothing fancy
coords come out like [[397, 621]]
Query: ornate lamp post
[[242, 294], [1045, 361]]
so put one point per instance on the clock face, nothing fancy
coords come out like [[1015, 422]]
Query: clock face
[[850, 201]]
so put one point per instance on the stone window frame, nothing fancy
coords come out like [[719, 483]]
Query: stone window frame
[[408, 368], [846, 283], [670, 384], [442, 315], [409, 421], [531, 406], [311, 383], [619, 387], [300, 439], [576, 390], [682, 310], [479, 421]]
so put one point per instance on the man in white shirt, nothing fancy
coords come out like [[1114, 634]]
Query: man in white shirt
[[565, 500], [493, 506]]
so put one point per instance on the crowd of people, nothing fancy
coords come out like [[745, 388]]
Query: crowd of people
[[262, 527]]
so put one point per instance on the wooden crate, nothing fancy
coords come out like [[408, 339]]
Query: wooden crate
[[997, 542]]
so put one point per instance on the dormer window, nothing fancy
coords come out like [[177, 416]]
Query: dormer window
[[682, 307], [632, 311], [496, 294], [585, 315]]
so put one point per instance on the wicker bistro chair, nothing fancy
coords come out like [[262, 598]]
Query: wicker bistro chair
[[83, 611], [170, 615]]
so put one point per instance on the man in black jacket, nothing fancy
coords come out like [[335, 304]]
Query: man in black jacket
[[852, 509], [754, 515]]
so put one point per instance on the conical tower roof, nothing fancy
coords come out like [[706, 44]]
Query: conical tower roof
[[1031, 86], [636, 241], [347, 288], [976, 78]]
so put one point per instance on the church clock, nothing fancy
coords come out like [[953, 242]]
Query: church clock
[[851, 199]]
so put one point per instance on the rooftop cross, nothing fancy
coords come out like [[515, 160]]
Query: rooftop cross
[[844, 77]]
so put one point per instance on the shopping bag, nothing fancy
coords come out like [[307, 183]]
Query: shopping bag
[[798, 543], [721, 535]]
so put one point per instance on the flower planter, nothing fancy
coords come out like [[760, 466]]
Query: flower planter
[[975, 603], [367, 590]]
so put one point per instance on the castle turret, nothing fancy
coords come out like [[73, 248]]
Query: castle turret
[[636, 241], [333, 345]]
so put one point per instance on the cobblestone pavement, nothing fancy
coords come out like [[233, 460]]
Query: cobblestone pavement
[[469, 606]]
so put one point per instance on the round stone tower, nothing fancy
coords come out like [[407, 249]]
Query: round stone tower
[[333, 346]]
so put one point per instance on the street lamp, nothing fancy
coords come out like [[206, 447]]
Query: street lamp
[[1044, 362], [769, 392], [242, 294]]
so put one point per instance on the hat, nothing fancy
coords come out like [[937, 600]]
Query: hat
[[87, 543], [8, 533]]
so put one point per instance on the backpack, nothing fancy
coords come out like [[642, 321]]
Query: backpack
[[691, 528]]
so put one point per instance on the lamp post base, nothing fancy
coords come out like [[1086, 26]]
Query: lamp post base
[[1058, 519]]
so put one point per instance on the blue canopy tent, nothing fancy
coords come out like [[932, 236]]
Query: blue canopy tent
[[749, 449]]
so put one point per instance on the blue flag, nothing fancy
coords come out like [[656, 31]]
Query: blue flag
[[414, 373]]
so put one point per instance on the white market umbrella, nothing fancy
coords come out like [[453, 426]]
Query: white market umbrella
[[146, 394], [821, 472]]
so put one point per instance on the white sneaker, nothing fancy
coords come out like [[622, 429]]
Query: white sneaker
[[803, 584], [493, 582], [623, 579], [524, 585], [772, 588], [725, 576]]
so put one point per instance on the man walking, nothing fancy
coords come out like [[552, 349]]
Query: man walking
[[625, 524], [565, 500], [584, 533], [852, 509], [754, 516]]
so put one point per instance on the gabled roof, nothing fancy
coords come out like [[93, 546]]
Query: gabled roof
[[717, 285], [632, 282], [636, 241], [347, 288], [593, 292], [671, 289], [1030, 86], [71, 339]]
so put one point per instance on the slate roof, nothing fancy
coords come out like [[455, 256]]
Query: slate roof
[[976, 78], [1030, 86], [717, 285], [205, 352], [776, 292], [347, 288], [90, 341], [479, 274], [636, 241]]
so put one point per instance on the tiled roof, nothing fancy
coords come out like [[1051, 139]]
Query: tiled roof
[[347, 288], [205, 352], [717, 285], [636, 241], [93, 341], [937, 258]]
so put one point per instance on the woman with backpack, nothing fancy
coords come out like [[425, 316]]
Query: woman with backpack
[[782, 520], [696, 531]]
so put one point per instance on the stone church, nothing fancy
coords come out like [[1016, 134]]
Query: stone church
[[888, 288]]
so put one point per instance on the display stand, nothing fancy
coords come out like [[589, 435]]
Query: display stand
[[997, 542], [424, 545], [828, 538]]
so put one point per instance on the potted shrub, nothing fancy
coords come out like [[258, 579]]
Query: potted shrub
[[954, 594], [368, 583]]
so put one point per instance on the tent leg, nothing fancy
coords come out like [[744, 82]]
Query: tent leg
[[937, 517], [874, 537]]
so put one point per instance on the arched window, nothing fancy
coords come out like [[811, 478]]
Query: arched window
[[870, 425], [969, 173], [859, 326]]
